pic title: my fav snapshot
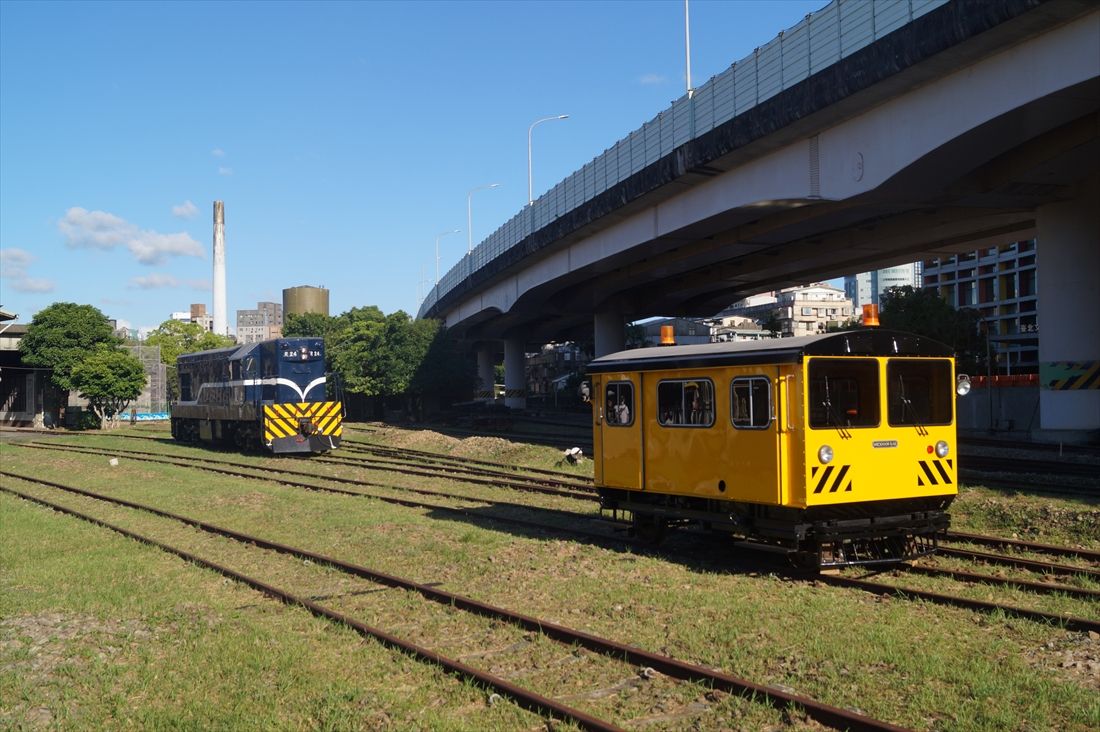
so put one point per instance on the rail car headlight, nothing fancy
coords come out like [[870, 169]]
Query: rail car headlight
[[962, 385], [942, 449], [825, 454]]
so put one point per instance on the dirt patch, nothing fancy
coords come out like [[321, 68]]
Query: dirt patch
[[1076, 656], [35, 647]]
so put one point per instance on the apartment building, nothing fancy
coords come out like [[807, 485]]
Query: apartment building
[[797, 311], [1001, 283], [261, 324]]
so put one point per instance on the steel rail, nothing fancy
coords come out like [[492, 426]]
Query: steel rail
[[467, 475], [824, 713], [1020, 465], [1007, 561], [191, 463], [1068, 621], [973, 578], [153, 457], [458, 466], [380, 449], [525, 698], [962, 536], [603, 539]]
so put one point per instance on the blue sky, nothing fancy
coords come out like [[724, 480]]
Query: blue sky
[[343, 137]]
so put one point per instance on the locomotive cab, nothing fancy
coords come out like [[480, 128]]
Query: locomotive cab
[[837, 447], [269, 394]]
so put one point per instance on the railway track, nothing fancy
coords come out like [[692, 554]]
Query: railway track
[[619, 542], [1023, 465], [781, 699]]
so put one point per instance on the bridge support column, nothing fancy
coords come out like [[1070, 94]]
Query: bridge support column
[[610, 333], [1069, 319], [486, 374], [515, 378]]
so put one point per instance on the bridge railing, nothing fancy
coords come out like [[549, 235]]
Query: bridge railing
[[820, 40]]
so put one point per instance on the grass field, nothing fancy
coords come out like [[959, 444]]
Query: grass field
[[99, 631]]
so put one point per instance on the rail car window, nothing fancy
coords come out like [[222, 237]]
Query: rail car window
[[185, 387], [751, 403], [688, 403], [919, 392], [619, 401], [843, 393]]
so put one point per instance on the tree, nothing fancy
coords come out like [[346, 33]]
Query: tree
[[773, 324], [177, 337], [301, 325], [925, 313], [109, 379], [61, 335]]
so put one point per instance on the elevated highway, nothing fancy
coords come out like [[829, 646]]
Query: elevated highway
[[951, 126]]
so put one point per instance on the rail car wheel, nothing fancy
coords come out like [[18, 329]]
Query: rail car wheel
[[649, 530], [190, 431]]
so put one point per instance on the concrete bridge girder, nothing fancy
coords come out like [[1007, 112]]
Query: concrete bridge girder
[[860, 180]]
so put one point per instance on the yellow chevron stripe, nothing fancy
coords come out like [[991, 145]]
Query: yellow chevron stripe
[[329, 424]]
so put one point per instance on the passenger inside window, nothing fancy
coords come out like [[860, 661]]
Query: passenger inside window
[[685, 403], [620, 403], [751, 403]]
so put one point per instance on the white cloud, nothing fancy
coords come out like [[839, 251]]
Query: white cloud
[[13, 262], [652, 79], [13, 268], [218, 152], [185, 210], [222, 170], [154, 281], [206, 285], [102, 230]]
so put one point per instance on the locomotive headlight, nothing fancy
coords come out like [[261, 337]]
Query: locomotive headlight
[[942, 449], [962, 385], [825, 454]]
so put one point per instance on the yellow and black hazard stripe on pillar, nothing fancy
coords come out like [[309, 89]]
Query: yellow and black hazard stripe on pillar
[[515, 393], [932, 472], [1070, 375], [288, 420], [827, 478]]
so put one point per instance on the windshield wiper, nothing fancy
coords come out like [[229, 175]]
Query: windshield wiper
[[832, 415]]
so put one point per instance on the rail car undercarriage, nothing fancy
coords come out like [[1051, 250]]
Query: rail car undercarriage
[[874, 532]]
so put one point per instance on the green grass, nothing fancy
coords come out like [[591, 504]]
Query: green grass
[[218, 655]]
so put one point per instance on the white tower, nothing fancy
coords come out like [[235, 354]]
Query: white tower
[[221, 326]]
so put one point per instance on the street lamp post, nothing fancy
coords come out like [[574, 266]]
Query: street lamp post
[[437, 238], [530, 186], [470, 215]]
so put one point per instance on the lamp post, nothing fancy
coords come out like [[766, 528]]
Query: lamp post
[[530, 186], [437, 238], [470, 215]]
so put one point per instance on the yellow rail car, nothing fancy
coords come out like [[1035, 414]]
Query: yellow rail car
[[839, 447]]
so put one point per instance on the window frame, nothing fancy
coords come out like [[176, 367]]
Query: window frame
[[876, 401], [633, 412], [947, 397], [685, 423], [770, 406]]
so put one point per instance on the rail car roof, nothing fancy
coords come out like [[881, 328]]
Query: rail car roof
[[235, 353], [772, 350]]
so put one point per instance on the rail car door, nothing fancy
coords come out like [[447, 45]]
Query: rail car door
[[757, 413], [619, 423]]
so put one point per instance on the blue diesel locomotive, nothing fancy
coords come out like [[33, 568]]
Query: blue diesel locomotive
[[268, 395]]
